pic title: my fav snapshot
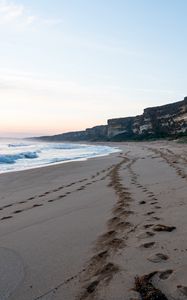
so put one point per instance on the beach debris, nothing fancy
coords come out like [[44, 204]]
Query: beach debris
[[146, 289]]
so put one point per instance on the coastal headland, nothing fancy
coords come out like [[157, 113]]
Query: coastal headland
[[166, 121], [112, 227]]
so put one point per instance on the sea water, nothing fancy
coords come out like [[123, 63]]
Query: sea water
[[17, 155]]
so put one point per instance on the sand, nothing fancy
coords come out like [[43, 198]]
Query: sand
[[112, 227]]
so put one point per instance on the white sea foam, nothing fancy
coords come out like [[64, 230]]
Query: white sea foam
[[21, 155], [18, 145], [12, 158]]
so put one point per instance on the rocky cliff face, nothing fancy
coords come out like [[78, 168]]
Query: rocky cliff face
[[162, 121], [97, 133]]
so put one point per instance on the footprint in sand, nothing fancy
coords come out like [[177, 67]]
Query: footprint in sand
[[144, 235], [100, 255], [165, 274], [113, 221], [122, 225], [37, 205], [182, 289], [156, 218], [103, 274], [5, 218], [114, 244], [31, 198], [61, 196], [150, 213], [154, 198], [142, 202], [148, 225], [107, 271], [161, 227], [158, 257], [40, 196], [98, 259], [80, 189], [91, 288], [107, 235], [150, 196], [124, 213], [8, 205], [17, 211], [118, 210], [69, 185], [148, 245]]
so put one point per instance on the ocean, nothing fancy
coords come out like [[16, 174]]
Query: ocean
[[17, 155]]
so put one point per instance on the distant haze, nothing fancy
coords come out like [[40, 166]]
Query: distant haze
[[68, 65]]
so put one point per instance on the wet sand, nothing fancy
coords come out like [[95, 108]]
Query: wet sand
[[112, 227]]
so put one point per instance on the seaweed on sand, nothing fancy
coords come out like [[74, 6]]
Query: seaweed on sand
[[146, 289]]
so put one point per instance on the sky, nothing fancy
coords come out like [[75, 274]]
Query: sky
[[69, 65]]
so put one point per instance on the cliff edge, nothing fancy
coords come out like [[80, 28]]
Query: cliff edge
[[168, 120]]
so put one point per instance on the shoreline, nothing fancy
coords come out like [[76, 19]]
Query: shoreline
[[85, 230], [67, 160]]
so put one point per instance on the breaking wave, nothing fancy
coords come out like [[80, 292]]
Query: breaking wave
[[23, 155], [12, 158]]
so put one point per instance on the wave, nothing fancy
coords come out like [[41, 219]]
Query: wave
[[43, 154], [74, 158], [18, 145], [56, 160], [12, 158], [67, 146]]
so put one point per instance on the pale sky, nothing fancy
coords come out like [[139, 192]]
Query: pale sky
[[68, 65]]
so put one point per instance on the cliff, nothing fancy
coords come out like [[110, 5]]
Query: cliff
[[156, 122], [97, 133]]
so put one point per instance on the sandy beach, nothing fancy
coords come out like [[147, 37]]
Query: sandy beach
[[111, 227]]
